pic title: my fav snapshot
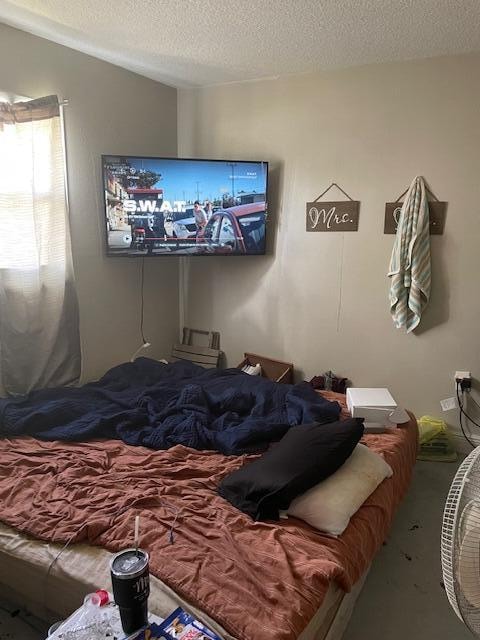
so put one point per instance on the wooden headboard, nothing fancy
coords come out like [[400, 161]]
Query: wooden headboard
[[275, 370]]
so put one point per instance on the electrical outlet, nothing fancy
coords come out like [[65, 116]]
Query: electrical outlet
[[464, 380], [448, 404]]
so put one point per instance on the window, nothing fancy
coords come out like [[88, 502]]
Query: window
[[32, 192], [227, 232], [39, 331], [253, 230], [211, 230]]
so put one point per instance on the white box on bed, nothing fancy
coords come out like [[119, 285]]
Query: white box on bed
[[377, 406]]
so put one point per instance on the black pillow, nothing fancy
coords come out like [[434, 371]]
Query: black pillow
[[306, 455]]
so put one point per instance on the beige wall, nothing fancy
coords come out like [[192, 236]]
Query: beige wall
[[111, 111], [320, 300]]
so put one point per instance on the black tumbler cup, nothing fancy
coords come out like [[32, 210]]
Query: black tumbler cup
[[131, 587]]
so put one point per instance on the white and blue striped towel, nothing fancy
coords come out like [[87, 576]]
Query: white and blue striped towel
[[410, 269]]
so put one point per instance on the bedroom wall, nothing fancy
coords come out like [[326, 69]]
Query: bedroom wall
[[320, 299], [110, 110]]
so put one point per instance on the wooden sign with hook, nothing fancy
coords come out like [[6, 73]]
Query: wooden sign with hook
[[437, 213], [341, 215]]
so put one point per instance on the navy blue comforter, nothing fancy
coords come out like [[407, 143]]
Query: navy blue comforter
[[156, 405]]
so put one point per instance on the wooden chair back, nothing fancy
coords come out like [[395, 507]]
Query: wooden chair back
[[205, 356]]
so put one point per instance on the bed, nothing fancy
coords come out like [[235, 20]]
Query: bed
[[24, 564], [249, 581]]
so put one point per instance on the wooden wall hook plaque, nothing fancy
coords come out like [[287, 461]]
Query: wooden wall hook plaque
[[437, 210]]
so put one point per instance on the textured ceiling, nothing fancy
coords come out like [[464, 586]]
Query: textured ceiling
[[202, 42]]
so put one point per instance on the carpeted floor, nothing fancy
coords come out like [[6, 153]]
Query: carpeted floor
[[16, 624], [404, 596]]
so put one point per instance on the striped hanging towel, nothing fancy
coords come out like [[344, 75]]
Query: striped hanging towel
[[409, 272]]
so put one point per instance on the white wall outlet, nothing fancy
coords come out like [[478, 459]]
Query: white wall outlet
[[463, 375], [448, 404]]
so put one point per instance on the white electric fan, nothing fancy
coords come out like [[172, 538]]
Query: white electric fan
[[461, 542]]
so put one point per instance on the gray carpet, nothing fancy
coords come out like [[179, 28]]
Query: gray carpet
[[404, 595], [16, 624]]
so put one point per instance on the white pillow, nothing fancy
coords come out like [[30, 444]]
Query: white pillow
[[329, 505]]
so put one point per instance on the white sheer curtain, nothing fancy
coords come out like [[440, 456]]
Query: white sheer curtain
[[39, 330]]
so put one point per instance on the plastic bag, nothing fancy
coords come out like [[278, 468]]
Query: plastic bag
[[89, 622], [435, 442]]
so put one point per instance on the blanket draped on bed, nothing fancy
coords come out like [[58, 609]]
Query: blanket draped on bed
[[259, 580], [159, 406]]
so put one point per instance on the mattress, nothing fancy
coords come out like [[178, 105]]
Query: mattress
[[287, 572], [51, 581]]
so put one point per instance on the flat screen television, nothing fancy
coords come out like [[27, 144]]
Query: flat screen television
[[174, 206]]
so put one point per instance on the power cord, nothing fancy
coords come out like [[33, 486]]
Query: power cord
[[462, 413], [460, 404], [174, 512], [145, 344], [472, 399], [142, 303], [463, 431]]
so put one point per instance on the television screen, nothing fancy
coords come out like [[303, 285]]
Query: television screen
[[171, 206]]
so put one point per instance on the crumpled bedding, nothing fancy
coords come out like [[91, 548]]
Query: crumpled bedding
[[259, 580], [159, 406]]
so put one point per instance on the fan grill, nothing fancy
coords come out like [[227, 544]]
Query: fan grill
[[459, 547]]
